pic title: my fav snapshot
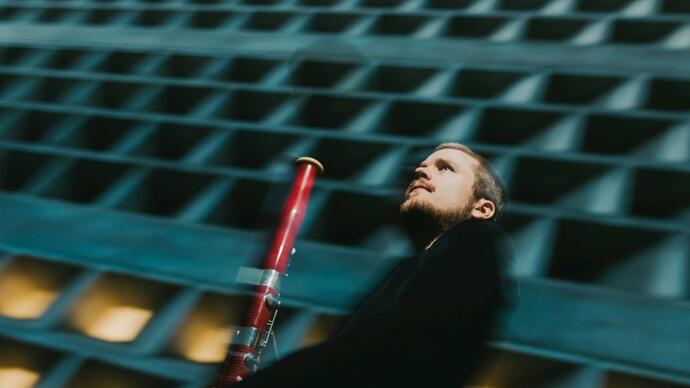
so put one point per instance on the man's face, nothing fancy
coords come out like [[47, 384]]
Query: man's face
[[444, 182]]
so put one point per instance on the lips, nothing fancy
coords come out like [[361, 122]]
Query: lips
[[419, 186]]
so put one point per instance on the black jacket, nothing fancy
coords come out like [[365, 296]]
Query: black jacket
[[425, 325]]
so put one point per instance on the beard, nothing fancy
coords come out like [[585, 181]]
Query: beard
[[423, 222]]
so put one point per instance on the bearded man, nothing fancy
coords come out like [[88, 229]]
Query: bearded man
[[428, 322]]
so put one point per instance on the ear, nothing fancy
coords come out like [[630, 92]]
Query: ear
[[483, 209]]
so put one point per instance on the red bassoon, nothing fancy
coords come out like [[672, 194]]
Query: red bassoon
[[252, 337]]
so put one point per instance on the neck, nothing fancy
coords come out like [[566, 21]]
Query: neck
[[421, 229]]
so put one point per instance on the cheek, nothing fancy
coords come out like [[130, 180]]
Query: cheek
[[456, 194]]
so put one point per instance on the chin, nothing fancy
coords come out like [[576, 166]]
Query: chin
[[415, 203]]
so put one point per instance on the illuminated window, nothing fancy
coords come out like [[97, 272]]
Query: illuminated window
[[118, 323], [21, 365], [29, 286], [508, 369], [323, 327], [18, 377], [207, 331], [118, 307]]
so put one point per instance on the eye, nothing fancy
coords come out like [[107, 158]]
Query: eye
[[444, 167]]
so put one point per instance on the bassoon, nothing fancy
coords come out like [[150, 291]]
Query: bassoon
[[252, 337]]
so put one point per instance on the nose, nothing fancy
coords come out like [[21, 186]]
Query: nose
[[421, 172]]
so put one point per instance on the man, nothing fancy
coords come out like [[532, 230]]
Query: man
[[427, 323]]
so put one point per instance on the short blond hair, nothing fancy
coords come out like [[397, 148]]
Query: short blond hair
[[487, 182]]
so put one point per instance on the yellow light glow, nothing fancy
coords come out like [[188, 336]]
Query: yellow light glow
[[207, 331], [324, 326], [497, 370], [117, 323], [210, 344], [314, 337], [117, 307], [18, 377], [23, 298]]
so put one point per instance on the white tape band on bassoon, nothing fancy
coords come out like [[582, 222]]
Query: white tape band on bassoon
[[259, 277]]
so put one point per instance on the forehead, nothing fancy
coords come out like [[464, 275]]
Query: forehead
[[454, 156]]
